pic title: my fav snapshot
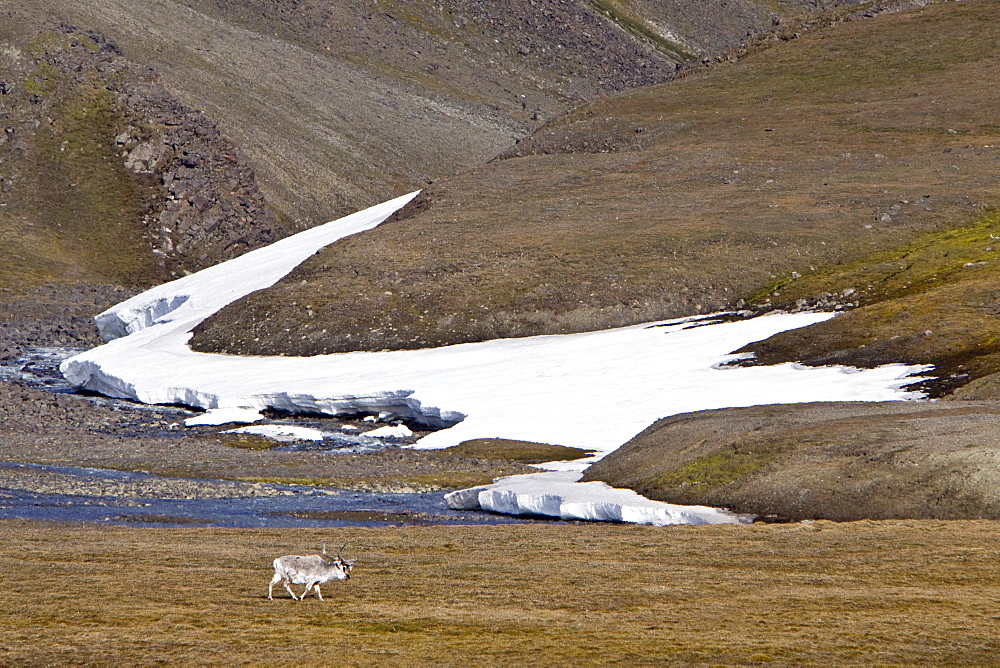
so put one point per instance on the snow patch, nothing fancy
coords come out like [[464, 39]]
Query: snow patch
[[130, 319], [547, 389], [217, 416], [281, 432], [558, 494], [399, 431], [198, 295]]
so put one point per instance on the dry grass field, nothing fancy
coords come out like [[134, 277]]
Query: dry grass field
[[863, 592]]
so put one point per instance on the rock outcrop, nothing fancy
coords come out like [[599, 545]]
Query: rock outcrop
[[142, 165]]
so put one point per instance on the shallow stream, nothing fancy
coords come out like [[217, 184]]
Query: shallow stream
[[74, 494]]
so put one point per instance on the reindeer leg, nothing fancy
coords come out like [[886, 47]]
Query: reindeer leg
[[318, 592], [270, 588], [288, 587]]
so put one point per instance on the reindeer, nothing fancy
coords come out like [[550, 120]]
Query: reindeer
[[312, 571]]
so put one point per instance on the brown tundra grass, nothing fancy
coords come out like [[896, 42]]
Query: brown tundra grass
[[862, 592]]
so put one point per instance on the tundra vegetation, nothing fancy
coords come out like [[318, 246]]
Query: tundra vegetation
[[844, 158], [842, 461], [892, 592]]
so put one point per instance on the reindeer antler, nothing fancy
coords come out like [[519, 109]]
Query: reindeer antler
[[348, 562], [339, 554]]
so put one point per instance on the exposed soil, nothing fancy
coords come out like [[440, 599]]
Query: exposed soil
[[360, 103], [54, 316]]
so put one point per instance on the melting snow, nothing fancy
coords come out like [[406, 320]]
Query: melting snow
[[217, 416], [593, 390], [560, 495], [281, 432], [398, 431]]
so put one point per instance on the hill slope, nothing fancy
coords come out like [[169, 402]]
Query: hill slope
[[343, 104], [109, 173], [336, 104], [105, 176], [850, 140], [843, 461]]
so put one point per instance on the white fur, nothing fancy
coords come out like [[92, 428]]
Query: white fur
[[312, 571]]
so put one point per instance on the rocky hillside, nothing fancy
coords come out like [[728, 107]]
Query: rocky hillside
[[340, 104], [132, 126], [691, 196], [106, 177]]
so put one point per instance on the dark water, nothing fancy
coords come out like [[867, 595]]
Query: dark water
[[39, 368], [296, 506]]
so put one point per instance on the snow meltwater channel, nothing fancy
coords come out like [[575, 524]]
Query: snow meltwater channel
[[593, 390]]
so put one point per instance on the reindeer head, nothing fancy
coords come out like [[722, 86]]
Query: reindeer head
[[339, 562]]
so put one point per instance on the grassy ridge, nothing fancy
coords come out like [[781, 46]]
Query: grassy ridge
[[840, 461], [932, 301]]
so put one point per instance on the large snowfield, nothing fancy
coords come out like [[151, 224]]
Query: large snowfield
[[593, 390]]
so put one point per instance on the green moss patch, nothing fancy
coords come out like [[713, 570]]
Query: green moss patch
[[925, 263], [933, 301], [713, 470], [525, 452]]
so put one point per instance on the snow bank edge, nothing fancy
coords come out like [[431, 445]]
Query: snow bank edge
[[559, 495]]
